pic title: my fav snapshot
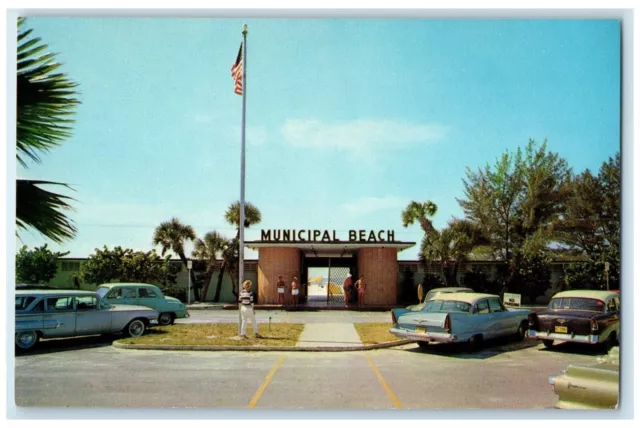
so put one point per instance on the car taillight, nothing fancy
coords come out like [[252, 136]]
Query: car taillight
[[533, 321], [393, 318], [447, 324], [594, 325]]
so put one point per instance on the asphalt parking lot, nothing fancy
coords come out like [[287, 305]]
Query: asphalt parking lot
[[89, 372]]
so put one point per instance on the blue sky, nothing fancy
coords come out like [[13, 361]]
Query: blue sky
[[347, 120]]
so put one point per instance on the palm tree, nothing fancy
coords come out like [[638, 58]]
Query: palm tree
[[419, 211], [208, 249], [451, 246], [172, 235], [45, 103], [230, 256], [251, 215]]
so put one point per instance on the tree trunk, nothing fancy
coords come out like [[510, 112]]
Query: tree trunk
[[216, 298], [234, 285], [207, 280]]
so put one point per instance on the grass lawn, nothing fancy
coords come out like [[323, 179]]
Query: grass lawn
[[373, 333], [218, 335]]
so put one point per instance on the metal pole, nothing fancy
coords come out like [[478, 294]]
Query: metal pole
[[189, 290], [244, 112]]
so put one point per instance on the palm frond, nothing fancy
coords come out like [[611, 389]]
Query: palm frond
[[252, 214], [42, 210], [45, 100]]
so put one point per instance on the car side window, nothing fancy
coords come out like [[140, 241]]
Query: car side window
[[146, 292], [23, 303], [495, 306], [86, 303], [612, 306], [114, 293], [59, 304], [482, 307], [122, 293], [38, 307]]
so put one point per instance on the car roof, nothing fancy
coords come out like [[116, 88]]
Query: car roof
[[449, 289], [470, 298], [127, 284], [55, 292], [587, 294]]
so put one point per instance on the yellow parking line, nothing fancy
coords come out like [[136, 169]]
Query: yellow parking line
[[260, 391], [384, 383]]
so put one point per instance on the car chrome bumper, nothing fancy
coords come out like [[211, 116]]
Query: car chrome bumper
[[567, 337], [423, 337]]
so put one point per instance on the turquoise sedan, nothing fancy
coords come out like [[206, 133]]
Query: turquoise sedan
[[169, 308], [460, 318]]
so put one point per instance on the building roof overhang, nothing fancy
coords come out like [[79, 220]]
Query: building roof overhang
[[329, 247]]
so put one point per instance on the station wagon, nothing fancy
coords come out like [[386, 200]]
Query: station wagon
[[53, 314]]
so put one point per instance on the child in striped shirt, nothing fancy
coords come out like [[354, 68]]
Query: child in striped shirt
[[246, 310]]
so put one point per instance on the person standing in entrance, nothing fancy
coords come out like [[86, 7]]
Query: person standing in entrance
[[347, 287], [246, 310], [361, 286], [280, 287], [295, 290]]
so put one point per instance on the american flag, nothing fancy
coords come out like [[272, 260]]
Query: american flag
[[236, 72]]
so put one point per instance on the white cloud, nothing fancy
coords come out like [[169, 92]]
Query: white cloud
[[256, 136], [359, 136], [371, 204]]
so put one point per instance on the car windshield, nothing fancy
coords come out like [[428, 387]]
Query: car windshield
[[577, 304], [102, 291], [447, 306]]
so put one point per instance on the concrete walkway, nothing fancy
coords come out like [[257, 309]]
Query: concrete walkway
[[336, 335]]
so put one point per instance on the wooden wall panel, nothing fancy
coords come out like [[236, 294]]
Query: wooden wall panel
[[380, 269], [271, 263]]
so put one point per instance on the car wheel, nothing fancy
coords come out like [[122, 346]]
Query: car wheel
[[26, 339], [165, 318], [474, 342], [547, 343], [610, 342], [522, 331], [423, 345], [135, 328]]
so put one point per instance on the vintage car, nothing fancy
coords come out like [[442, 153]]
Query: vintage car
[[436, 292], [148, 295], [589, 386], [460, 318], [585, 316], [51, 314]]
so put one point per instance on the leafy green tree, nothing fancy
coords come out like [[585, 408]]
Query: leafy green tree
[[480, 282], [36, 266], [208, 250], [450, 247], [126, 265], [516, 204], [534, 274], [46, 101], [103, 266], [171, 236]]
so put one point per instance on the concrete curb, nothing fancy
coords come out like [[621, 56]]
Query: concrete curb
[[117, 344]]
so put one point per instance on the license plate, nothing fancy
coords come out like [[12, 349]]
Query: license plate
[[561, 329], [421, 330]]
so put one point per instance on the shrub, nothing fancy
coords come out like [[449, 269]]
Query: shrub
[[177, 292]]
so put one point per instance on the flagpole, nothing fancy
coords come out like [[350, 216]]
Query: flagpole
[[244, 112]]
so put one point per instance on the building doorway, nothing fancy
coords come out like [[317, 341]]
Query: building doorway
[[323, 278]]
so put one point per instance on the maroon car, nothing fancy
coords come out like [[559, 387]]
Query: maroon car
[[584, 316]]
